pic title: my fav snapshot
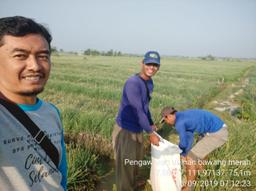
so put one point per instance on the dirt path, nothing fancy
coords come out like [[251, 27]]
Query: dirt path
[[226, 100]]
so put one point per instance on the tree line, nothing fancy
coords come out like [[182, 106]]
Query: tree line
[[93, 52], [90, 52]]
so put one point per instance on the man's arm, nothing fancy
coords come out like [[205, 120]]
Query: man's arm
[[150, 118], [134, 95], [63, 164], [186, 139]]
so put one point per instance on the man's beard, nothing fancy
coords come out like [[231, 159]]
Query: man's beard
[[32, 93]]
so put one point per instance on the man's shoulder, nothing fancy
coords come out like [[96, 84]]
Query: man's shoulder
[[134, 79], [50, 106], [192, 112], [198, 112], [181, 118]]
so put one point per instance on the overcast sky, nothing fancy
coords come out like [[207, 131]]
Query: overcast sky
[[173, 27]]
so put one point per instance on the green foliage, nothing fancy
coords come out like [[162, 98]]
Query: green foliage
[[54, 50], [249, 105], [208, 57], [91, 52], [82, 168]]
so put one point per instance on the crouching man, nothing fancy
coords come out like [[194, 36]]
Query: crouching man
[[210, 127]]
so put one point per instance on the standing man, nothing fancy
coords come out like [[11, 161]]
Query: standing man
[[26, 154], [133, 118], [186, 123]]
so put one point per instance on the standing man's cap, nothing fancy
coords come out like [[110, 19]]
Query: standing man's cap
[[166, 111], [151, 57]]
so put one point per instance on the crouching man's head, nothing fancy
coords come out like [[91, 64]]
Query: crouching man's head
[[168, 115]]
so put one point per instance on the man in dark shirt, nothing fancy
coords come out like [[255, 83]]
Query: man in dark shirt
[[133, 118], [206, 124]]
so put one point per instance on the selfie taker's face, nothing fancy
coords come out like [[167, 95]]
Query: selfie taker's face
[[24, 65]]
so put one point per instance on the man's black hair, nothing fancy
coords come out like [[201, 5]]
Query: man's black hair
[[20, 26]]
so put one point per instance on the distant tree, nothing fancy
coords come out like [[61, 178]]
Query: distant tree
[[119, 53], [208, 57], [95, 53], [87, 52], [54, 50], [110, 53], [91, 52]]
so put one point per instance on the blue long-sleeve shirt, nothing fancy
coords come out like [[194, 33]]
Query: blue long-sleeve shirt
[[134, 114], [195, 120]]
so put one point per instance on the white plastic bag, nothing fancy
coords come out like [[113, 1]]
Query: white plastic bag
[[165, 172]]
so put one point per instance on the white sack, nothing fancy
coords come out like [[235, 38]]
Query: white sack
[[165, 172]]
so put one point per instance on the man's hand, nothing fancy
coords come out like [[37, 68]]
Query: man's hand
[[183, 158], [154, 127], [185, 188], [154, 139]]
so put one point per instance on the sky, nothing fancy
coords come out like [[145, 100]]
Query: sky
[[223, 28]]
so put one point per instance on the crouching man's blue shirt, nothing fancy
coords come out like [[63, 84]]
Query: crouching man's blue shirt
[[134, 114], [195, 120]]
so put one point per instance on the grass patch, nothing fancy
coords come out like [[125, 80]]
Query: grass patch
[[82, 168]]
